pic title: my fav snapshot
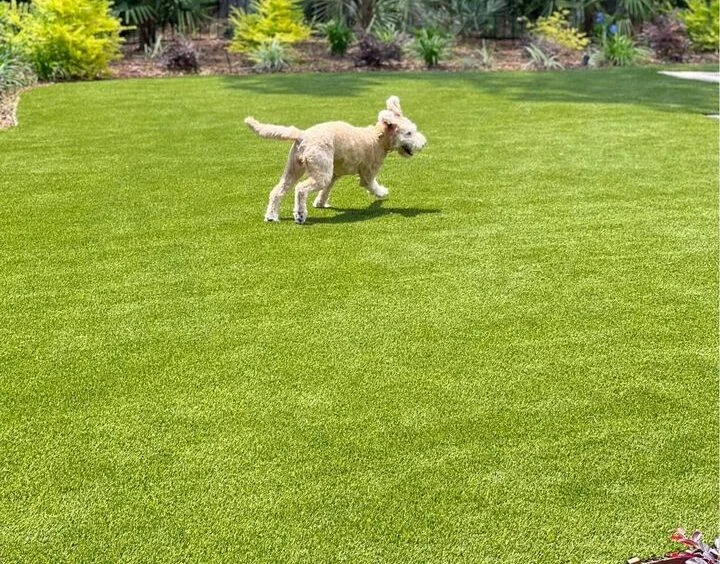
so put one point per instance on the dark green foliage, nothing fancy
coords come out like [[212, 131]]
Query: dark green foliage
[[431, 45], [151, 17], [338, 36]]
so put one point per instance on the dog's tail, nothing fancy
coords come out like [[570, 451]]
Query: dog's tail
[[269, 131]]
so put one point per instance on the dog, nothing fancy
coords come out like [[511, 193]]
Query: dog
[[328, 151]]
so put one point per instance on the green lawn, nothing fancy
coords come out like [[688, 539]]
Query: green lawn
[[513, 359]]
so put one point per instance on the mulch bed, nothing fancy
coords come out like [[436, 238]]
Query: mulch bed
[[313, 56]]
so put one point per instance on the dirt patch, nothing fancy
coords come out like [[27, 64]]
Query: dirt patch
[[8, 110]]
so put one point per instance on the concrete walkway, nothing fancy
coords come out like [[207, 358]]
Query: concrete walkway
[[704, 76]]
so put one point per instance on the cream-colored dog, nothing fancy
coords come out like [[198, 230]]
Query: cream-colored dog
[[333, 149]]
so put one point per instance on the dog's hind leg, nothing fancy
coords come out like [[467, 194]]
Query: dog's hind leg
[[319, 168], [322, 198], [293, 172]]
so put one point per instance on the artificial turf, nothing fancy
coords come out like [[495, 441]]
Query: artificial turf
[[513, 359]]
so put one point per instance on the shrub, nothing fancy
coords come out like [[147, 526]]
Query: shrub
[[702, 19], [69, 38], [181, 56], [338, 36], [557, 29], [540, 60], [281, 20], [373, 52], [666, 36], [15, 71], [269, 57], [431, 45], [617, 50]]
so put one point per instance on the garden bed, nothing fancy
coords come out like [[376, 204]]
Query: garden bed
[[313, 56]]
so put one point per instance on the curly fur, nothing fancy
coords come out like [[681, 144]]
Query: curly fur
[[329, 150]]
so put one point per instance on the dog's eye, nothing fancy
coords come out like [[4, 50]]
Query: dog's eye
[[408, 134]]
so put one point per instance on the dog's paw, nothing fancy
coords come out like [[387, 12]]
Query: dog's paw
[[272, 219], [381, 192], [321, 205], [300, 217]]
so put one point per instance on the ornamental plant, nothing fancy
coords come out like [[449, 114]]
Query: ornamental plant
[[67, 38], [667, 37], [702, 552], [556, 29], [702, 19], [338, 36], [267, 20], [431, 45]]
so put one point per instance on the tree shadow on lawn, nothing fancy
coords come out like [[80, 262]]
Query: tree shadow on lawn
[[306, 84], [373, 211], [622, 86], [627, 86]]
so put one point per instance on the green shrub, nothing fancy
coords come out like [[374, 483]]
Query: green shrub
[[15, 71], [338, 36], [431, 45], [280, 20], [68, 38], [557, 29], [618, 50], [269, 57], [702, 20]]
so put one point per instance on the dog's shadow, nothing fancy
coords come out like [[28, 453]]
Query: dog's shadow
[[373, 211]]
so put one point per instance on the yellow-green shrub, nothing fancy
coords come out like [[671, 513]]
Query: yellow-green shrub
[[281, 20], [68, 38], [702, 19], [557, 29]]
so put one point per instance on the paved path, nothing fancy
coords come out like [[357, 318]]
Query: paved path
[[704, 76]]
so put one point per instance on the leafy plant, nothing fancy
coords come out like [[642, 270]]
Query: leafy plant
[[540, 60], [281, 20], [156, 50], [269, 57], [181, 56], [338, 36], [431, 45], [151, 17], [667, 37], [486, 55], [373, 52], [620, 50], [556, 28], [702, 19], [15, 71], [702, 552], [69, 38]]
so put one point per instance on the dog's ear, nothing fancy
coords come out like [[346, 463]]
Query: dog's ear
[[389, 118], [393, 104]]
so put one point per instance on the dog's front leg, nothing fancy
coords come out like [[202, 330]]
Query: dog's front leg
[[375, 189]]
